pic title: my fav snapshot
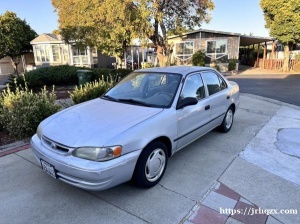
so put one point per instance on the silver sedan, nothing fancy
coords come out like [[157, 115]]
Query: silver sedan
[[130, 132]]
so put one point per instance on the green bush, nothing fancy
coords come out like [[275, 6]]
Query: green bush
[[198, 58], [63, 75], [147, 65], [231, 64], [113, 74], [217, 67], [21, 111], [90, 90]]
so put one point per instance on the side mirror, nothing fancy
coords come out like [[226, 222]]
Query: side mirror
[[188, 101]]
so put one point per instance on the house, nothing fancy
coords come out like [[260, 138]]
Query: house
[[295, 50], [50, 49], [139, 54], [219, 46], [26, 64]]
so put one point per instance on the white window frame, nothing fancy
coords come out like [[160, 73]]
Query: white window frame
[[183, 55], [59, 53], [42, 51], [65, 54], [213, 55]]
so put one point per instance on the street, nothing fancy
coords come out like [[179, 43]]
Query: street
[[285, 88]]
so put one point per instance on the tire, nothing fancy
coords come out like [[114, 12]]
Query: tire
[[227, 121], [155, 156]]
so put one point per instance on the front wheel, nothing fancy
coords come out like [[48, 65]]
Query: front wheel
[[227, 121], [151, 165]]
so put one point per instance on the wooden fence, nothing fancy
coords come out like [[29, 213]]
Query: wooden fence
[[275, 64]]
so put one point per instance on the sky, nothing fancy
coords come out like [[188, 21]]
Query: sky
[[238, 16]]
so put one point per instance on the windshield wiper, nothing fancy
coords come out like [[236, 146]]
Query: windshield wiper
[[110, 98], [132, 101]]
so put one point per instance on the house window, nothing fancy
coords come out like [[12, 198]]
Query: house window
[[37, 54], [66, 54], [216, 47], [56, 53], [42, 53], [184, 50]]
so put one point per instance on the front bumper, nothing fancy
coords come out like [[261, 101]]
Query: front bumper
[[87, 174]]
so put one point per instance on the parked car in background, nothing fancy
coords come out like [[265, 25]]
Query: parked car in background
[[130, 132]]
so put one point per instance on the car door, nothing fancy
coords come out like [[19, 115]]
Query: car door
[[218, 96], [192, 120]]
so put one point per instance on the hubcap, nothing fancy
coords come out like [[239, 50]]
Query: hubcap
[[229, 118], [155, 165]]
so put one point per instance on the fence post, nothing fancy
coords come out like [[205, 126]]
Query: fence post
[[257, 58], [265, 54]]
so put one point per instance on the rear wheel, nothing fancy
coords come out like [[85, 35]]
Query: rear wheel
[[227, 121], [151, 165]]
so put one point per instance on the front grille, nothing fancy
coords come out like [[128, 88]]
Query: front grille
[[54, 145]]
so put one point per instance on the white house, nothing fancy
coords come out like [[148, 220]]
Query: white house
[[50, 49]]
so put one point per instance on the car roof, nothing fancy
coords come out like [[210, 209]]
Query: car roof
[[184, 70]]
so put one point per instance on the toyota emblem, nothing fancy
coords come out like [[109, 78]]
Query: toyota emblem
[[53, 146]]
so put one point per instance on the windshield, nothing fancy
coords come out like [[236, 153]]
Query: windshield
[[146, 89]]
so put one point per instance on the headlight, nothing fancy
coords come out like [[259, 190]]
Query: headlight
[[39, 132], [98, 154]]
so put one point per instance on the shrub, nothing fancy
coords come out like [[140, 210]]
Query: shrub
[[217, 67], [231, 64], [147, 65], [198, 58], [21, 111], [90, 90], [113, 74], [63, 75]]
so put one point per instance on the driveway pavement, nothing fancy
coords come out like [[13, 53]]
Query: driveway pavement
[[281, 87], [3, 80], [245, 167]]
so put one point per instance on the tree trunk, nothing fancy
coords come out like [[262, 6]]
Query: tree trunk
[[286, 66], [15, 62], [163, 58]]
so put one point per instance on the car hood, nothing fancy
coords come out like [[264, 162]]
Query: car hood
[[94, 123]]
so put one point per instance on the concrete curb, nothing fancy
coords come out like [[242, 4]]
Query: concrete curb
[[13, 147]]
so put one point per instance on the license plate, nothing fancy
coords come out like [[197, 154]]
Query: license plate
[[48, 168]]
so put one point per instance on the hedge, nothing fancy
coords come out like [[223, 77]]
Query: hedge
[[63, 75]]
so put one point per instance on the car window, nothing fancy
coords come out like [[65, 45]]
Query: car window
[[223, 84], [213, 82], [193, 87], [147, 89]]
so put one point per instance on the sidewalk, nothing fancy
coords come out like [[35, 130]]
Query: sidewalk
[[249, 70], [245, 176], [263, 181]]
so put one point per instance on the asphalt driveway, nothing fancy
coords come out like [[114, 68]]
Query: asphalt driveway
[[285, 88]]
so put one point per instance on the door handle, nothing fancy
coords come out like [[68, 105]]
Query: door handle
[[207, 107], [228, 97]]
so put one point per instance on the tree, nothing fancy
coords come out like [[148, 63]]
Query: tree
[[56, 32], [112, 25], [163, 13], [108, 25], [15, 37], [282, 17]]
